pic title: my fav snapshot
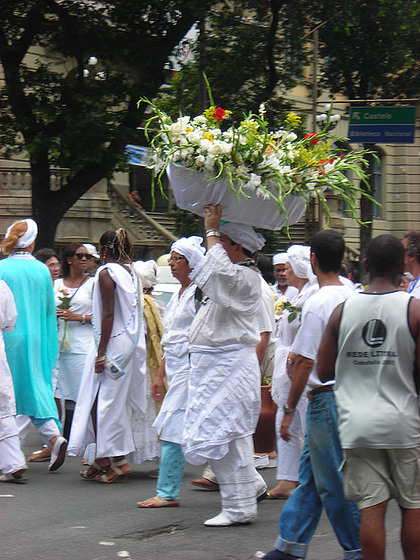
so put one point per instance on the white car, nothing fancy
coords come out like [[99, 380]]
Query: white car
[[167, 284]]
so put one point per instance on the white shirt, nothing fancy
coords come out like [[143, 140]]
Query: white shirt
[[230, 315], [266, 311], [315, 316], [179, 314]]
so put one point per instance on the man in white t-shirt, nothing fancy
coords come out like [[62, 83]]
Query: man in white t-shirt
[[411, 244], [371, 342], [320, 483]]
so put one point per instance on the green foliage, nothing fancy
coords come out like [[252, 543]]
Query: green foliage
[[370, 48], [185, 223], [64, 112], [237, 64]]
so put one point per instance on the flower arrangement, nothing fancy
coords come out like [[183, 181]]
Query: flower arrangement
[[65, 298], [282, 303], [252, 158]]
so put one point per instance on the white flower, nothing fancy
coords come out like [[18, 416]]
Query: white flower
[[291, 137], [180, 125], [216, 148], [200, 160], [253, 182], [199, 120], [205, 144], [209, 164], [329, 167], [262, 193]]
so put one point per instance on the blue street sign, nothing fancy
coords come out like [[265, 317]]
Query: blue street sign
[[382, 125]]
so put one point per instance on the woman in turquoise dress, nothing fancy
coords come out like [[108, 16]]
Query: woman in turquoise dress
[[31, 348]]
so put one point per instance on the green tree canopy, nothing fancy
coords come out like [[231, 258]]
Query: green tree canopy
[[60, 114]]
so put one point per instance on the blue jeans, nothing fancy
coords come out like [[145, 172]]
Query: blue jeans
[[321, 485], [171, 471]]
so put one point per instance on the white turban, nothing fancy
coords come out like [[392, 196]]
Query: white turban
[[190, 248], [280, 258], [299, 258], [243, 234], [29, 236], [148, 271]]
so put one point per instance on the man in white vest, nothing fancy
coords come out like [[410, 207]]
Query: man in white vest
[[371, 346]]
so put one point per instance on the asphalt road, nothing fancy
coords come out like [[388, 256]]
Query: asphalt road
[[59, 516]]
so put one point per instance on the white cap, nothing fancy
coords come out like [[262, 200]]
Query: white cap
[[280, 258], [91, 249]]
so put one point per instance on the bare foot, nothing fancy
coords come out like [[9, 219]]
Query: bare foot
[[158, 502], [283, 489]]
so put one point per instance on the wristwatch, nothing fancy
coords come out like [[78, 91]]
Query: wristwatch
[[288, 408]]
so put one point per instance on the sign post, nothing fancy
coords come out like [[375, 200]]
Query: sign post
[[382, 125]]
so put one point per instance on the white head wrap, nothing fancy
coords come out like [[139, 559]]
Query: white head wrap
[[190, 248], [148, 272], [243, 234], [280, 258], [91, 249], [29, 236], [299, 257]]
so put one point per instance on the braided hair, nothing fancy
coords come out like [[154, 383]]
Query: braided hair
[[118, 244]]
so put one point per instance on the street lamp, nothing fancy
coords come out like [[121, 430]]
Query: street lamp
[[323, 118]]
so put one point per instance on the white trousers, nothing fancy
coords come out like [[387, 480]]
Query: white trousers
[[12, 458], [47, 430], [288, 452], [238, 480]]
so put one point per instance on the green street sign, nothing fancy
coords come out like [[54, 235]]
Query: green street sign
[[382, 125], [382, 115]]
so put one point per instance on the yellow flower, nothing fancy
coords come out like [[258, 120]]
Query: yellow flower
[[188, 129], [292, 121], [208, 136]]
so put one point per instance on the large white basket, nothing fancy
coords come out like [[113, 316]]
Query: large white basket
[[193, 190]]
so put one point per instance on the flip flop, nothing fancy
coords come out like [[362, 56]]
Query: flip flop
[[271, 496], [8, 477], [158, 502], [40, 456]]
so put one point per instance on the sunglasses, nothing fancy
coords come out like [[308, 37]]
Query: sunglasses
[[175, 259], [81, 256]]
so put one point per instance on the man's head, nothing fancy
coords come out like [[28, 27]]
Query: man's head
[[385, 258], [328, 249], [240, 240], [411, 244], [279, 264]]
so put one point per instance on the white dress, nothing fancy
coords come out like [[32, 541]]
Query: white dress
[[180, 313], [75, 340], [288, 452], [146, 443], [224, 389], [114, 396], [11, 456]]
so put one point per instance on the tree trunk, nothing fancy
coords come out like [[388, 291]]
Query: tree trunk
[[42, 202]]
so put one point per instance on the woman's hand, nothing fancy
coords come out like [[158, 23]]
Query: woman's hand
[[157, 389], [157, 384], [99, 364], [68, 315]]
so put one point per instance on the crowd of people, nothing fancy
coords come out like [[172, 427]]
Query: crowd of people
[[106, 372]]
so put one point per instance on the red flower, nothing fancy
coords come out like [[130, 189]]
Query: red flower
[[313, 136], [219, 114]]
